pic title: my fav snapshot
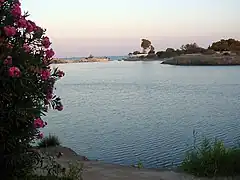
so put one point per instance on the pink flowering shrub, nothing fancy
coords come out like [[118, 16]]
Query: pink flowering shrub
[[26, 85]]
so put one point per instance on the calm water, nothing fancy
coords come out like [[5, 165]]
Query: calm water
[[111, 58], [123, 112]]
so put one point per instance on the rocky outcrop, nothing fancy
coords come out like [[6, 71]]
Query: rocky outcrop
[[93, 59], [204, 60]]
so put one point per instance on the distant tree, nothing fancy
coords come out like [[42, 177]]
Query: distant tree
[[160, 53], [226, 45], [130, 54], [166, 54], [191, 48], [178, 52], [170, 50], [146, 44]]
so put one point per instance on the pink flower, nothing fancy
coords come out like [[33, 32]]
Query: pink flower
[[59, 108], [16, 10], [38, 123], [60, 73], [8, 60], [46, 42], [40, 135], [45, 74], [31, 26], [45, 61], [9, 31], [14, 72], [22, 23], [49, 96], [26, 48], [49, 53]]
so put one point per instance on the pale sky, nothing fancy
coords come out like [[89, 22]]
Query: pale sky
[[115, 27]]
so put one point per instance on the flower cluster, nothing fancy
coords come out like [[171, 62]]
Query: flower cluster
[[25, 59]]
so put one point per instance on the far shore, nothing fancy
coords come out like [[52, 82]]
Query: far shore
[[83, 60], [182, 60], [204, 60], [194, 60]]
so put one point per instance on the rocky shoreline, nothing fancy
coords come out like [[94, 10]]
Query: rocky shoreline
[[83, 60], [204, 60], [93, 170]]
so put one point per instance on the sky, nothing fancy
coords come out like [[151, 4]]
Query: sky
[[116, 27]]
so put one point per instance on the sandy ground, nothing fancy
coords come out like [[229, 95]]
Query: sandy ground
[[95, 170]]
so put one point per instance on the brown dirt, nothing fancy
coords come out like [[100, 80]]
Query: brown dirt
[[95, 170]]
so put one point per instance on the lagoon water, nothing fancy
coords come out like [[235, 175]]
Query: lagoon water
[[126, 112]]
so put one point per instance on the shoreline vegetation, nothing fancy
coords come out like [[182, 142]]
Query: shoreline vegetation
[[223, 52]]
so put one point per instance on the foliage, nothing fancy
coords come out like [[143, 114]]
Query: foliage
[[164, 54], [49, 141], [170, 50], [226, 45], [26, 87], [145, 44], [184, 49], [75, 171], [192, 48], [140, 165], [212, 159], [52, 168]]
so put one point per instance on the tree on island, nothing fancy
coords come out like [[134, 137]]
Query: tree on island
[[146, 44], [191, 48], [170, 50], [226, 45]]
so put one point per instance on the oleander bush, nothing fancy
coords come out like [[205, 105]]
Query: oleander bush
[[26, 87]]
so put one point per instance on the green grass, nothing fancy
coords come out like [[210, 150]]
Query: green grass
[[49, 141], [212, 159]]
